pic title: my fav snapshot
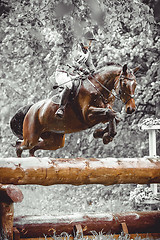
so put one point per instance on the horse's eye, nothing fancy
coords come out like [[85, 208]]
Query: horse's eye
[[124, 84]]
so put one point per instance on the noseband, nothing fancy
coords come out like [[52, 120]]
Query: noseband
[[120, 91]]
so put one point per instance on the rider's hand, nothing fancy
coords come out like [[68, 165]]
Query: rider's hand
[[81, 69], [85, 72], [55, 86], [92, 72], [76, 68]]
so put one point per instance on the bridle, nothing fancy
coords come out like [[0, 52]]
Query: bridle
[[125, 93], [121, 77]]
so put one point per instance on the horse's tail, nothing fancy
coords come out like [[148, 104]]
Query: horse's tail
[[16, 122]]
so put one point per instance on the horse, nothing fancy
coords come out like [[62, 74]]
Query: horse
[[38, 127]]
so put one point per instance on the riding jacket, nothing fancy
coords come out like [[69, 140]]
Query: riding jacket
[[84, 60], [81, 61]]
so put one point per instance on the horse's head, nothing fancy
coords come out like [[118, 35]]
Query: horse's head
[[127, 88]]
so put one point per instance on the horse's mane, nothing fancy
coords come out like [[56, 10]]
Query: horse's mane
[[106, 65], [113, 63]]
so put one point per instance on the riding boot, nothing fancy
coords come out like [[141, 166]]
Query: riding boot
[[64, 100]]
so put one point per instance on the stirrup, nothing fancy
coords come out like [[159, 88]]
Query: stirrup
[[59, 113]]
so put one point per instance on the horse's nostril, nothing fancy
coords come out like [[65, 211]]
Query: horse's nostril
[[130, 110]]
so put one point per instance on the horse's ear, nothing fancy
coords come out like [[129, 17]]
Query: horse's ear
[[124, 69], [136, 69]]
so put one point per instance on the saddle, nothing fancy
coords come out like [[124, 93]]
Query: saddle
[[77, 82], [77, 85]]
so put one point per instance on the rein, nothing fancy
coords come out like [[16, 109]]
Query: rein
[[104, 87], [97, 89], [110, 91]]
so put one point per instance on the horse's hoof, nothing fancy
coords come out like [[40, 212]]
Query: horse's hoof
[[107, 139], [113, 134], [31, 154], [98, 133], [18, 152]]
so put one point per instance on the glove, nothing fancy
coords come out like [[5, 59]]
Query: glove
[[85, 72], [92, 72], [76, 68], [55, 86]]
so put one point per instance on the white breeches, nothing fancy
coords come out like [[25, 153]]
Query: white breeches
[[63, 79]]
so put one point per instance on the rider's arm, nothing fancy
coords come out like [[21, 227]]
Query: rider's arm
[[89, 63], [79, 62]]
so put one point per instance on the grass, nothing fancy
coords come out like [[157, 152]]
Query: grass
[[102, 236]]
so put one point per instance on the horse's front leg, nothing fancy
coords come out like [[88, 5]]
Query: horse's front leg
[[99, 132], [112, 131], [97, 115], [112, 128], [104, 115]]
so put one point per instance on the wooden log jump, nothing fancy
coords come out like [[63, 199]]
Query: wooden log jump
[[136, 222], [79, 171]]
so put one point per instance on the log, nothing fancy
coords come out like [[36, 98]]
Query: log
[[79, 171], [8, 195], [40, 226]]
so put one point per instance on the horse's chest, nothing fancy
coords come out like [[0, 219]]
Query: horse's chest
[[96, 100]]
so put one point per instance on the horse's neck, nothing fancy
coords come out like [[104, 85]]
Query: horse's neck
[[112, 80]]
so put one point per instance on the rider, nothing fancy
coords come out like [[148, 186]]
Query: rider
[[62, 75]]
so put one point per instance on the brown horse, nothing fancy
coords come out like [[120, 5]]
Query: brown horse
[[92, 105]]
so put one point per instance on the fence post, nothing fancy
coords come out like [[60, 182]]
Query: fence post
[[8, 195], [6, 220], [152, 146]]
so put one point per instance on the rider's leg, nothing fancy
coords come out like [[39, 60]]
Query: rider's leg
[[63, 79], [64, 100]]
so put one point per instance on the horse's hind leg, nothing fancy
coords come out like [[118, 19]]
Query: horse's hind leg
[[31, 132], [30, 140], [27, 143], [51, 141], [19, 150]]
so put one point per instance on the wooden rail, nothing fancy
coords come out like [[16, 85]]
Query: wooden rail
[[79, 171], [135, 222]]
